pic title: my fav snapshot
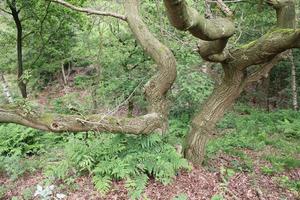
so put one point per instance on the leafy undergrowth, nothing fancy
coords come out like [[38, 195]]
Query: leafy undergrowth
[[105, 158], [256, 155], [254, 141]]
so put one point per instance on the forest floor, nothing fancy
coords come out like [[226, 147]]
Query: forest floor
[[200, 183]]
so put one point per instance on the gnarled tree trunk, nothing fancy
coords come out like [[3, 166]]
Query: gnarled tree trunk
[[204, 122], [214, 34]]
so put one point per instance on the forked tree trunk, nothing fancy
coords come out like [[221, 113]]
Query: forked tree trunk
[[203, 124]]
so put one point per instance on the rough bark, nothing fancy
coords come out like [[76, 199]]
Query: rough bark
[[213, 33], [15, 14], [203, 124]]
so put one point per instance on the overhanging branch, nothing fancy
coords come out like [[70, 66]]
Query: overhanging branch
[[90, 11]]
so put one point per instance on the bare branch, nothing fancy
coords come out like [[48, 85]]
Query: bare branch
[[90, 11], [225, 9], [5, 11], [158, 86]]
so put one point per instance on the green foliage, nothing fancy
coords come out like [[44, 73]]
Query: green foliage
[[191, 87], [118, 157], [293, 185], [2, 191], [27, 193], [17, 140], [217, 197], [257, 130], [15, 166]]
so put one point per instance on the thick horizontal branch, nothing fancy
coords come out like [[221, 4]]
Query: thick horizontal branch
[[265, 48], [75, 123], [90, 11]]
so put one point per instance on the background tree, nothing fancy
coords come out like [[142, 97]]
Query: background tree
[[39, 26]]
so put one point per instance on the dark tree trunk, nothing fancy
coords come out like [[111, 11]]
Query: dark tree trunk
[[15, 14], [130, 108]]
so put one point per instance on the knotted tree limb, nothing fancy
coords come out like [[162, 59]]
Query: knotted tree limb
[[213, 33], [186, 18], [76, 123], [234, 62]]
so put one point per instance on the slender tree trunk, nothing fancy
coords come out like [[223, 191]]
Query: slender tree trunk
[[15, 14], [63, 73], [203, 123], [6, 89], [294, 83]]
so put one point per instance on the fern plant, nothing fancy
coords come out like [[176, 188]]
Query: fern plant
[[17, 140], [120, 157]]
